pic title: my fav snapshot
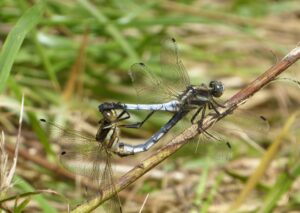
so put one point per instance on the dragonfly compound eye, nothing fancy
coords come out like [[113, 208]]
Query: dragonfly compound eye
[[217, 88]]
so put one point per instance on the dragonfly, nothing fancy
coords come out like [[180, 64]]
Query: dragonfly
[[90, 156], [172, 84]]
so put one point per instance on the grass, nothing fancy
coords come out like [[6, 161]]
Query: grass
[[67, 57], [15, 39]]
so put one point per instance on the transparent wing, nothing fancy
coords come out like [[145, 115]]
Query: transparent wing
[[57, 130], [80, 153], [114, 204], [207, 145], [83, 155], [216, 142], [173, 72], [245, 125], [213, 150], [165, 85], [212, 146], [94, 161], [149, 87]]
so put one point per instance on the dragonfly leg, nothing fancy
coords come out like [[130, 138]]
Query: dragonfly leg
[[118, 118], [212, 106], [202, 115], [124, 112], [195, 115], [207, 134], [210, 136], [138, 124], [203, 109], [217, 103]]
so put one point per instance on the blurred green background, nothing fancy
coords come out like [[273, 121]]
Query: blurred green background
[[76, 55]]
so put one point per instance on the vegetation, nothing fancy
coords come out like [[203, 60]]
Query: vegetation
[[67, 57]]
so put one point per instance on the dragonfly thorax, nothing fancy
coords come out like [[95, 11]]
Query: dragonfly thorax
[[109, 116], [106, 126], [202, 94]]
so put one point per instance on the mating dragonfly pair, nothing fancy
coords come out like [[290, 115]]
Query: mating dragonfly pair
[[183, 97], [90, 156]]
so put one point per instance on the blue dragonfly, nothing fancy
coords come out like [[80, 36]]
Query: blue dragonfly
[[174, 93]]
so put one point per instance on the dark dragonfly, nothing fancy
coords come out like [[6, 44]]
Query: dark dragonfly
[[90, 156], [173, 84]]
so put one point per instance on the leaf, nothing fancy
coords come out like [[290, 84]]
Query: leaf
[[15, 39], [22, 206]]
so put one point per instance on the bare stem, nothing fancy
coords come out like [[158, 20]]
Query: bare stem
[[166, 151]]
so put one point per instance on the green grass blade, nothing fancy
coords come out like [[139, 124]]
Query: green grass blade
[[33, 119], [282, 185], [285, 180], [110, 28], [15, 39], [42, 202], [20, 208]]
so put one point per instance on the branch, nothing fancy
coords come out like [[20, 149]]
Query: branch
[[166, 151]]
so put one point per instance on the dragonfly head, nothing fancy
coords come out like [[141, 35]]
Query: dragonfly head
[[217, 88]]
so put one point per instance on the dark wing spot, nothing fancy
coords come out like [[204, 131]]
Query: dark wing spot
[[142, 64], [263, 118], [173, 39], [228, 145], [42, 120], [63, 153]]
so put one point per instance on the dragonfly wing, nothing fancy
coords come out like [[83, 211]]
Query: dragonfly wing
[[108, 181], [147, 85], [82, 157], [208, 145], [242, 124], [175, 76], [93, 160], [214, 146], [79, 152], [216, 143], [167, 84]]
